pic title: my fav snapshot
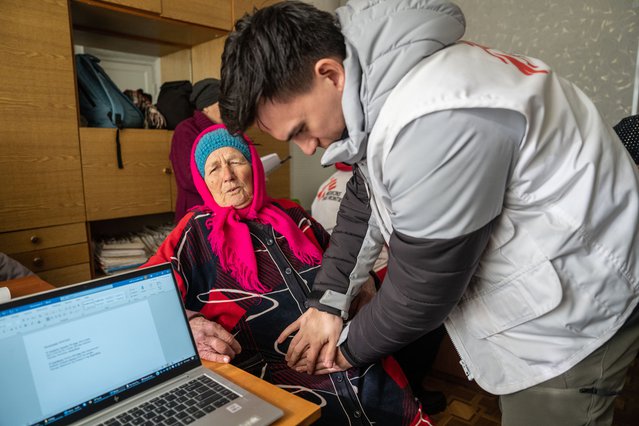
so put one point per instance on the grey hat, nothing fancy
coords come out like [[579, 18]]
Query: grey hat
[[205, 93]]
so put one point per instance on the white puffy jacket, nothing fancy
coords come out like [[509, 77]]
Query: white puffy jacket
[[560, 274]]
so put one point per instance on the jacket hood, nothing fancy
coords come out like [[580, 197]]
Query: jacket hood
[[384, 40]]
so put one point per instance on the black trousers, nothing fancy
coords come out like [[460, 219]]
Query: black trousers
[[417, 358]]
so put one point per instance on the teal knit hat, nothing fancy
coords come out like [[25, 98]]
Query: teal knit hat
[[216, 139]]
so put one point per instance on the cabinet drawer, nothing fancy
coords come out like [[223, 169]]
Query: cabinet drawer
[[43, 238], [52, 258], [141, 187], [67, 275]]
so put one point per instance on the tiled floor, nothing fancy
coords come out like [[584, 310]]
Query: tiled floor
[[467, 403], [470, 405]]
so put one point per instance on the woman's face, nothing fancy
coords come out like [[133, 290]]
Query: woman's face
[[229, 177]]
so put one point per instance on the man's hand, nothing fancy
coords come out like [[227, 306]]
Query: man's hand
[[317, 331], [213, 342]]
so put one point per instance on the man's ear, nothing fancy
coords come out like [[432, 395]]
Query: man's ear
[[331, 69]]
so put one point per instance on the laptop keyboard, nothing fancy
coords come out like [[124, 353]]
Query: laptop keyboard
[[180, 406]]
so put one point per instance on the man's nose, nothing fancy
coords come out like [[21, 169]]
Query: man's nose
[[307, 145]]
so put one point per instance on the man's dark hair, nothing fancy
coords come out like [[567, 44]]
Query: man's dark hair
[[270, 55]]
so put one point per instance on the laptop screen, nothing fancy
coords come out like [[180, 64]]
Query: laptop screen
[[71, 352]]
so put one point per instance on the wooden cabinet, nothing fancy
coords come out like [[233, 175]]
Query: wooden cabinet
[[59, 253], [42, 238], [212, 13], [141, 187], [110, 26], [54, 258], [42, 218], [67, 275], [154, 6], [39, 151]]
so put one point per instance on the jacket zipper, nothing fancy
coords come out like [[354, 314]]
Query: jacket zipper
[[464, 366]]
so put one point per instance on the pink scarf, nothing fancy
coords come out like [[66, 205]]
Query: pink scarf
[[230, 238]]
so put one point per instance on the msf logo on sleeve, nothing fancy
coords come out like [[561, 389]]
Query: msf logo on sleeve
[[328, 191]]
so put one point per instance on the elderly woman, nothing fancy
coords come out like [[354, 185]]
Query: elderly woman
[[245, 265]]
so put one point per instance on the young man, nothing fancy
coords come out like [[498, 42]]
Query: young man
[[510, 209]]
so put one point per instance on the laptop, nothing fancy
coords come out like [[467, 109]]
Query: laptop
[[110, 351]]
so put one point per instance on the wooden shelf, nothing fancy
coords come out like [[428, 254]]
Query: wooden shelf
[[115, 27]]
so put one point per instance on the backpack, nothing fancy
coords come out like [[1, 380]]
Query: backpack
[[173, 102], [102, 104]]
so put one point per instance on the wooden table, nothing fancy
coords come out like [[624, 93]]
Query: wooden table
[[25, 286], [297, 411]]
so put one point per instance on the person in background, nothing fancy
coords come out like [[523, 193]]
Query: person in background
[[11, 269], [204, 96], [628, 131], [245, 265], [509, 207], [329, 197], [418, 357]]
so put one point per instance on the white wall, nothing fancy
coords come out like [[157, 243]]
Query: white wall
[[591, 43]]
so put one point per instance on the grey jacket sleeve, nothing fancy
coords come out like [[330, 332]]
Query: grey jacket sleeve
[[425, 280], [353, 248], [447, 176]]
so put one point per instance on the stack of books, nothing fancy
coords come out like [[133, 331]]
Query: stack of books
[[123, 253]]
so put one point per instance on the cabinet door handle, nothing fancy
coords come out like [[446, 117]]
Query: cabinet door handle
[[34, 239], [38, 261], [167, 171]]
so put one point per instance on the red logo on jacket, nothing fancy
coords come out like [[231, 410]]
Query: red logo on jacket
[[328, 187], [522, 63]]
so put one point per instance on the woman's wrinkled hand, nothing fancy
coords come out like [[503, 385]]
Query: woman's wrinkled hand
[[213, 342], [340, 364]]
